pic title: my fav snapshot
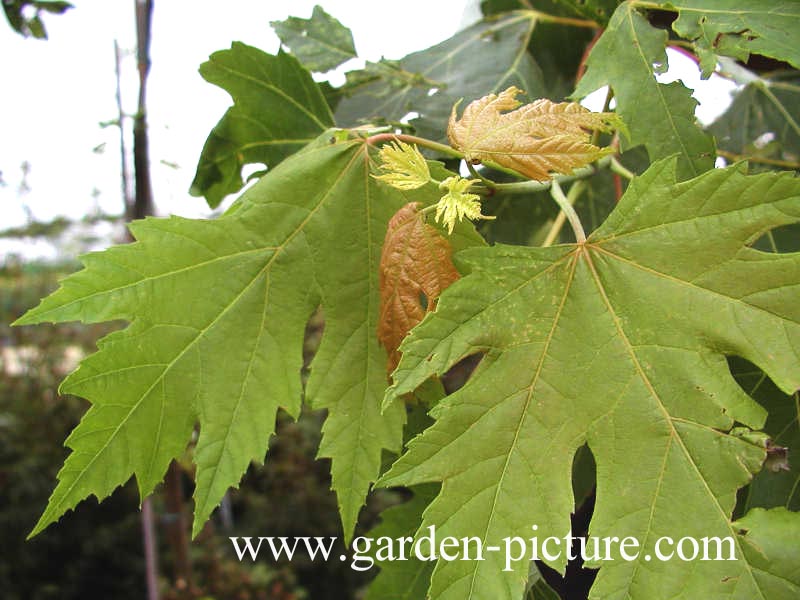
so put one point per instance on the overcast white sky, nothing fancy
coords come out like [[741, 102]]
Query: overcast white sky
[[56, 92]]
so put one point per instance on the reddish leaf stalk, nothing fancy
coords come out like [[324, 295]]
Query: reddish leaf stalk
[[582, 65]]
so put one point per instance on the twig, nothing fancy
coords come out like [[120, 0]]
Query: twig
[[567, 209], [527, 187], [618, 168], [489, 187], [427, 210], [435, 146], [606, 106], [150, 550], [789, 164], [413, 139], [127, 195], [585, 56], [574, 192], [547, 18], [685, 48], [474, 172]]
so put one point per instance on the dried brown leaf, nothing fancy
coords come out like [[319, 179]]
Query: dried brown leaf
[[536, 139], [416, 267]]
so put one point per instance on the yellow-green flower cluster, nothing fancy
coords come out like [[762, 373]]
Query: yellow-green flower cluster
[[457, 203], [404, 166]]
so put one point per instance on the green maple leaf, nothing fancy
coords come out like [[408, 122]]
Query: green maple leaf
[[218, 311], [277, 110], [739, 27], [618, 343], [657, 115], [321, 43]]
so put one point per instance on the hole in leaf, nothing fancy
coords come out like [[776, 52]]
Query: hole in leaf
[[577, 580], [661, 19], [785, 238], [253, 171], [409, 116], [584, 476], [775, 485], [311, 340], [28, 11], [423, 300], [460, 372], [765, 138]]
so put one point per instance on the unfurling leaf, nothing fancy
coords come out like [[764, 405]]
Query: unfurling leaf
[[404, 166], [416, 260], [536, 139], [457, 203]]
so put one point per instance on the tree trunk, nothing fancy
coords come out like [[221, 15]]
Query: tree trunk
[[142, 206], [143, 199]]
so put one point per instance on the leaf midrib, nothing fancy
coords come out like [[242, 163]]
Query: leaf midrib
[[718, 11], [278, 92], [39, 314], [534, 380], [311, 36], [658, 93], [202, 509]]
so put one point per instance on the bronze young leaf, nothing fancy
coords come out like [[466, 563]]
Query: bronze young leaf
[[536, 139], [415, 261]]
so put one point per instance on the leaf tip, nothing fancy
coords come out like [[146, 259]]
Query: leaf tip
[[197, 526], [29, 318], [37, 529], [36, 315], [48, 517], [388, 398]]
